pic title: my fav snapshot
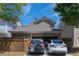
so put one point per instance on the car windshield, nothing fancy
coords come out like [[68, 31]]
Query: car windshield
[[57, 41]]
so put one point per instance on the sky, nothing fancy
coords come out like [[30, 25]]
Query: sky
[[37, 10]]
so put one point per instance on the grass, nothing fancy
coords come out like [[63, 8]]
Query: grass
[[75, 53]]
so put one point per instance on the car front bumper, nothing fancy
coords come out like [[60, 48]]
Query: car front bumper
[[57, 51], [34, 51]]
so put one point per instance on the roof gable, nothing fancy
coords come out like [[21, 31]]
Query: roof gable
[[44, 24], [46, 20]]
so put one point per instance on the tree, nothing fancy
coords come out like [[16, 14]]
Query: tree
[[69, 13], [11, 12]]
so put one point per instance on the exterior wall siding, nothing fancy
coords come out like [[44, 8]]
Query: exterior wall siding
[[76, 37], [5, 27], [68, 32], [43, 26]]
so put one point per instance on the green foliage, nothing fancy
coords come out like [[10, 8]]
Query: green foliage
[[11, 11], [70, 13]]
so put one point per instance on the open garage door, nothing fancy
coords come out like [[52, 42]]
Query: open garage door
[[46, 39]]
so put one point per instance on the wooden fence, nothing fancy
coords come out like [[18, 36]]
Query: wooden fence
[[17, 45]]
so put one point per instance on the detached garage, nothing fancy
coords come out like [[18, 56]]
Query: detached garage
[[21, 36], [21, 40], [44, 28]]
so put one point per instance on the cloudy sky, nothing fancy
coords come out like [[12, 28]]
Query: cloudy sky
[[36, 10]]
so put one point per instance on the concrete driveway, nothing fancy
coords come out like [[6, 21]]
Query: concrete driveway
[[24, 54], [48, 55], [45, 54]]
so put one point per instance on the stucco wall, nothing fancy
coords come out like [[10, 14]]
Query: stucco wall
[[34, 28], [68, 32], [76, 37], [5, 26]]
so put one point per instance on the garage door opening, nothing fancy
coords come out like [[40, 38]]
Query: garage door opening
[[46, 40]]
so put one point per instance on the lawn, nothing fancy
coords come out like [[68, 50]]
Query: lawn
[[75, 54]]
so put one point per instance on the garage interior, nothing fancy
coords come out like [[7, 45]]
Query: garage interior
[[45, 36]]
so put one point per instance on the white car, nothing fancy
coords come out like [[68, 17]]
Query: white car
[[57, 46]]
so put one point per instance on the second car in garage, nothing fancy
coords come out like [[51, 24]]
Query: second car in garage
[[57, 46]]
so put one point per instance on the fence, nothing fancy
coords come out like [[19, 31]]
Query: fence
[[14, 45]]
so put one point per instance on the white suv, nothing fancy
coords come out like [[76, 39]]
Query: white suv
[[57, 46]]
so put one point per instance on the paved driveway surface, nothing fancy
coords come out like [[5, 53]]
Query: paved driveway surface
[[45, 54], [24, 54]]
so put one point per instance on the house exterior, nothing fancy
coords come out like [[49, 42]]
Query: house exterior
[[4, 34], [76, 37], [21, 36], [70, 32], [19, 23], [73, 34], [43, 28], [5, 27]]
